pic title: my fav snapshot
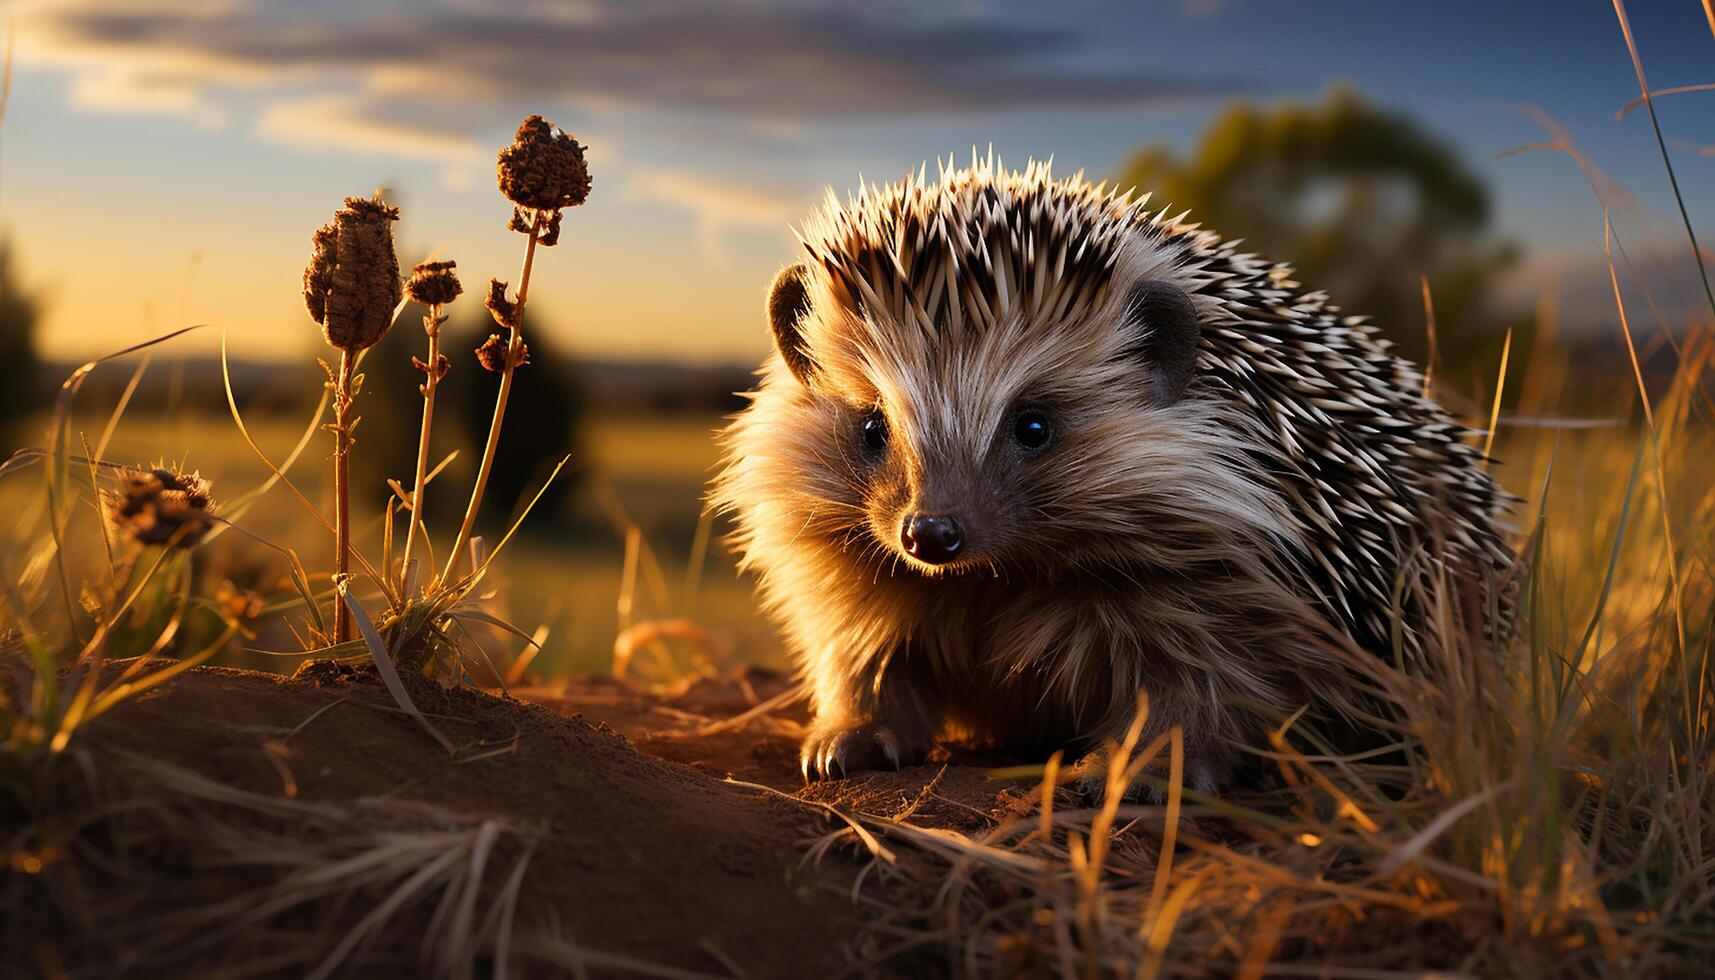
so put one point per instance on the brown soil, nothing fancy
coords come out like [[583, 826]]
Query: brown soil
[[645, 850], [953, 791]]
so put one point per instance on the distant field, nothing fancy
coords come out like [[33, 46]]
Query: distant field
[[653, 468]]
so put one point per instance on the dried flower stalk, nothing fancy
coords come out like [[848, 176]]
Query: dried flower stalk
[[351, 288], [542, 172], [435, 285]]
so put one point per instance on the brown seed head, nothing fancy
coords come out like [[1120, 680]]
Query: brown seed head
[[351, 285], [492, 353], [543, 168], [549, 234], [434, 283], [159, 506], [318, 275], [505, 311]]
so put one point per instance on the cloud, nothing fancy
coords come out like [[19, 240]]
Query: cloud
[[337, 122], [719, 207], [782, 61], [119, 91]]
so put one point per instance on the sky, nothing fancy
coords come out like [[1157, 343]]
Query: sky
[[163, 162]]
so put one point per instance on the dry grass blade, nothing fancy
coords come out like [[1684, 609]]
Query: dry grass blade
[[1500, 389], [243, 501], [1160, 927], [106, 528], [874, 846], [481, 566], [505, 914], [422, 880], [1170, 834], [88, 659], [1434, 359], [119, 408], [277, 473], [538, 640], [791, 695], [1661, 144], [120, 692], [301, 582], [1658, 93], [1443, 821], [471, 612], [384, 666], [391, 858]]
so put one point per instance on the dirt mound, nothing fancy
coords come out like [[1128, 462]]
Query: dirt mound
[[696, 728], [625, 857], [953, 790]]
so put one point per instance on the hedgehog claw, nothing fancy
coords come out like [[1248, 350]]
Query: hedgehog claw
[[838, 751]]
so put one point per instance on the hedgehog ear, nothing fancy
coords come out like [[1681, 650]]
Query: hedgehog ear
[[1166, 320], [788, 301]]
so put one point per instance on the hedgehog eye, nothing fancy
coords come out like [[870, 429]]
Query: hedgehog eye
[[873, 430], [1031, 429]]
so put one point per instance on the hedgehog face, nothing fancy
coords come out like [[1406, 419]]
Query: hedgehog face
[[971, 450], [949, 474]]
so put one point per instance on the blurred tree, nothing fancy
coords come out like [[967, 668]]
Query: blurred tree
[[1363, 203], [19, 311]]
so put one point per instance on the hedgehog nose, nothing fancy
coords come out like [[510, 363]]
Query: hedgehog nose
[[932, 538]]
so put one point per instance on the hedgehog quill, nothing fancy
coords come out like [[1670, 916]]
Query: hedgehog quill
[[1026, 448]]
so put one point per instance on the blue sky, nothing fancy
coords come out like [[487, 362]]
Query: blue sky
[[164, 162]]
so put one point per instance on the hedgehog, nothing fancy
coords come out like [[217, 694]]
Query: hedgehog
[[1025, 448]]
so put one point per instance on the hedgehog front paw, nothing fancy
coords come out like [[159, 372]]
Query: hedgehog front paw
[[833, 751]]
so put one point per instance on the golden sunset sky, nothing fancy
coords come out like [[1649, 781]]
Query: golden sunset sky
[[164, 163]]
